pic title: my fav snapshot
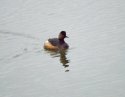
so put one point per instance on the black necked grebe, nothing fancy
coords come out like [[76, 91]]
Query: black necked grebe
[[57, 43]]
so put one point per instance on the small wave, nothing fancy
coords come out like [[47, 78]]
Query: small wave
[[19, 34], [17, 55]]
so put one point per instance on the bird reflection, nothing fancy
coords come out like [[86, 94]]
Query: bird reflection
[[62, 57]]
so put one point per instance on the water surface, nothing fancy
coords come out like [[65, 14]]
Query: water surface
[[92, 67]]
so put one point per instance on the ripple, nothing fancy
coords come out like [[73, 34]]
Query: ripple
[[19, 34]]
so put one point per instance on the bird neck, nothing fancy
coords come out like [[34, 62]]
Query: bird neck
[[61, 40]]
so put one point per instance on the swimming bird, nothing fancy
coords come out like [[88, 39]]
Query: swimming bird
[[57, 43]]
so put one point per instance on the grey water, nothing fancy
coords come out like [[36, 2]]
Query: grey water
[[93, 66]]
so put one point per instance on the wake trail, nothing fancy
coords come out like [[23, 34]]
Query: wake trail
[[19, 35]]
